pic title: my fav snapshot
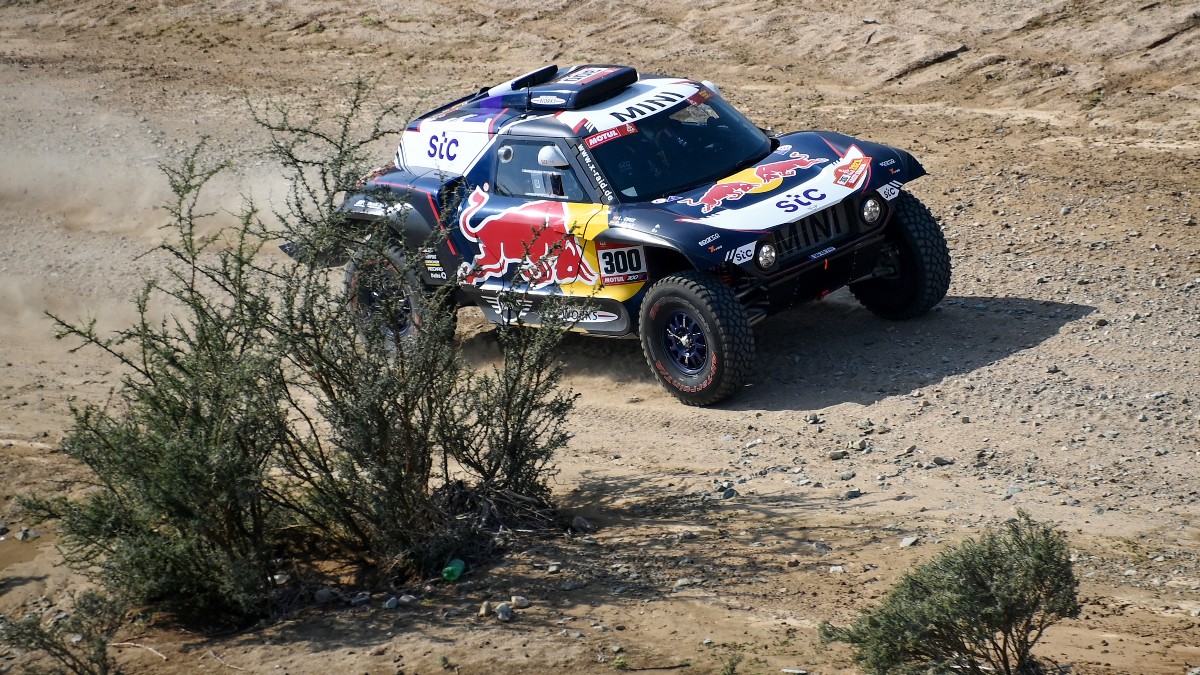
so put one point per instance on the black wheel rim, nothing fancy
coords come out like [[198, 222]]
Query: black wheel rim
[[382, 296], [685, 343]]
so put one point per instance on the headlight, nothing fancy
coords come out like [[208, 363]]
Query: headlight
[[766, 256], [871, 210]]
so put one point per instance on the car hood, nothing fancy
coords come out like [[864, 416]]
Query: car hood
[[806, 172]]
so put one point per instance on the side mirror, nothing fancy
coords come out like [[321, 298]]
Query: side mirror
[[552, 156]]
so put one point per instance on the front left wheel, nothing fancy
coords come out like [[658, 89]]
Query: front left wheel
[[696, 337]]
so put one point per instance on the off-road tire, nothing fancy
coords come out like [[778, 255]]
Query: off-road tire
[[414, 309], [717, 350], [922, 265]]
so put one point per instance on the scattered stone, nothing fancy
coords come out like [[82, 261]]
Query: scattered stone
[[860, 444], [519, 601], [1012, 490], [729, 493], [846, 475], [25, 534], [706, 641], [837, 569], [864, 424], [680, 583], [687, 534], [908, 541], [580, 523], [281, 578], [853, 493], [635, 399], [392, 603], [485, 609], [378, 650], [616, 649], [504, 612], [838, 454], [812, 418], [408, 599], [553, 568], [3, 530], [943, 461], [572, 585], [360, 598], [965, 419], [323, 596]]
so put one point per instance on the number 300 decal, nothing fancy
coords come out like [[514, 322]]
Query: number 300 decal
[[624, 265]]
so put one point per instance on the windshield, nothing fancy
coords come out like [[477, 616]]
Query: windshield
[[695, 142]]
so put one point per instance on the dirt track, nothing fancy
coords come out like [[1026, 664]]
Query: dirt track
[[1061, 376]]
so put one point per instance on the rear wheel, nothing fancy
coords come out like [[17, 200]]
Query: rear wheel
[[696, 337], [914, 266], [390, 299]]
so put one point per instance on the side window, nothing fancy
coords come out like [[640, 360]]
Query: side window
[[518, 174]]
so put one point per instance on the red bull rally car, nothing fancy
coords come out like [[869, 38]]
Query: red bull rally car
[[666, 213]]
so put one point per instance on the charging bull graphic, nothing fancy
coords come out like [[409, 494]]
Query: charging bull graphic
[[534, 234], [762, 178]]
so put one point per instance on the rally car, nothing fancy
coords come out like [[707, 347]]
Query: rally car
[[653, 209]]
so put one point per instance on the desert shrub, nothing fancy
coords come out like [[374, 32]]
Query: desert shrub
[[77, 644], [180, 512], [266, 423], [978, 607]]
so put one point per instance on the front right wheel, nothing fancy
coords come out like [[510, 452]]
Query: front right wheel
[[913, 273], [696, 337]]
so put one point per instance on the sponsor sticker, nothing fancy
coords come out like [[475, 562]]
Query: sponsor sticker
[[603, 137], [621, 264], [546, 99], [741, 254], [890, 191], [584, 75], [850, 175]]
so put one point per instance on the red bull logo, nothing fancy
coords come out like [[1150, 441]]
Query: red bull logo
[[762, 178], [534, 235]]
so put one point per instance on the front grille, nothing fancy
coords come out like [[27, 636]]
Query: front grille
[[806, 236]]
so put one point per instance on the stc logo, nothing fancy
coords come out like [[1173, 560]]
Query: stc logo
[[442, 147], [535, 235]]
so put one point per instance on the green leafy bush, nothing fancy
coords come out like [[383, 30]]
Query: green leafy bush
[[978, 607], [266, 425]]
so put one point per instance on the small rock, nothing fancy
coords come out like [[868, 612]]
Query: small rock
[[553, 568], [408, 599], [965, 419], [281, 578], [846, 475], [3, 530], [572, 585], [580, 523], [378, 650], [360, 598], [504, 612], [635, 399], [837, 569], [729, 493], [392, 603], [812, 418], [485, 609], [943, 461], [323, 596], [680, 583], [853, 493], [25, 534], [864, 424], [908, 541], [616, 649], [519, 601], [838, 454], [687, 534], [706, 641]]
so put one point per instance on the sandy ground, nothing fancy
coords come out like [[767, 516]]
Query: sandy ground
[[1061, 375]]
